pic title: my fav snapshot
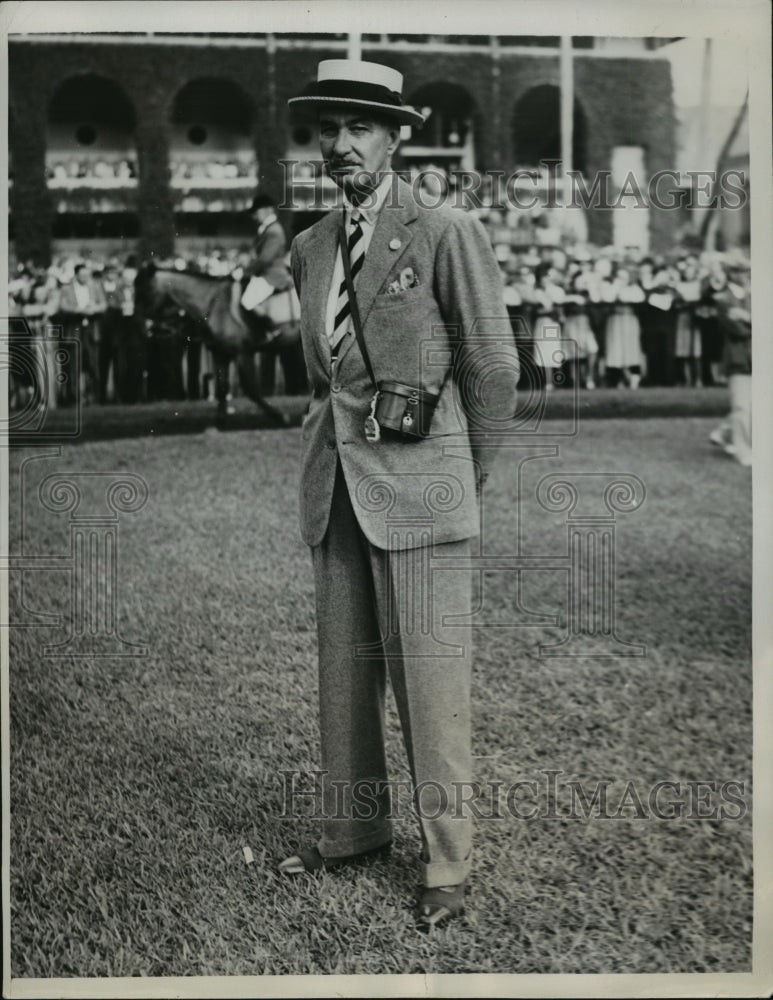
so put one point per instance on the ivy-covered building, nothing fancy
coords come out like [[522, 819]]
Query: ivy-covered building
[[159, 141]]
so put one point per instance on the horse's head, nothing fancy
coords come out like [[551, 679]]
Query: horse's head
[[154, 296]]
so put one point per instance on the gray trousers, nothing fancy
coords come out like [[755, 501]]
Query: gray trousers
[[379, 612]]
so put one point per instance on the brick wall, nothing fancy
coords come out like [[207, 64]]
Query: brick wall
[[625, 101]]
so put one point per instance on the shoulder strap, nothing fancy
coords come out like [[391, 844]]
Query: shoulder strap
[[353, 300]]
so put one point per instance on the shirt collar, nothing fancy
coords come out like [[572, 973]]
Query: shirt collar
[[265, 224], [375, 202]]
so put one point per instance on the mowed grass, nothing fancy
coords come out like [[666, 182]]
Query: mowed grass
[[136, 783]]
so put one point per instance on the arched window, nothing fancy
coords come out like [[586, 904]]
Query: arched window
[[90, 141], [213, 166], [211, 144], [447, 137], [308, 189], [91, 164], [537, 129]]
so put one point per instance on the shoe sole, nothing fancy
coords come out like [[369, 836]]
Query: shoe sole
[[438, 919], [332, 864]]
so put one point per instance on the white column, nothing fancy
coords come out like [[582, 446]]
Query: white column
[[567, 112], [705, 109], [706, 155], [355, 45]]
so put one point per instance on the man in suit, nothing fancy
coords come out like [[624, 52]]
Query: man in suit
[[82, 304], [110, 331], [381, 516], [734, 319]]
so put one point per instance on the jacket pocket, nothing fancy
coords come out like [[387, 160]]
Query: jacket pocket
[[396, 300]]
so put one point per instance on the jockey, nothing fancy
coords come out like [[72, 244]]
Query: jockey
[[270, 271]]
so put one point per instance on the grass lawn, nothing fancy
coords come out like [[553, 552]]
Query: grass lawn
[[137, 782]]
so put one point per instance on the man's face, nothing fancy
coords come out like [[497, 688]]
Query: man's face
[[81, 275], [356, 147]]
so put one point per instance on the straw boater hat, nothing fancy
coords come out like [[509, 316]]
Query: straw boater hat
[[361, 84]]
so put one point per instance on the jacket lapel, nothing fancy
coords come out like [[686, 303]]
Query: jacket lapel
[[320, 257]]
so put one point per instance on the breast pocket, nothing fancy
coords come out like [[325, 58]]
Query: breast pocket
[[416, 297]]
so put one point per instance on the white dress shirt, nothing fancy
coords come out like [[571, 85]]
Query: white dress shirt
[[368, 217], [82, 295]]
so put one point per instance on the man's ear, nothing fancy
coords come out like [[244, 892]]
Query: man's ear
[[394, 138]]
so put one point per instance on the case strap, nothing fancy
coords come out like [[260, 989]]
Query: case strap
[[355, 312]]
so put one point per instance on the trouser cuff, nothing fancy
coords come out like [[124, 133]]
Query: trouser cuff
[[438, 873], [332, 846]]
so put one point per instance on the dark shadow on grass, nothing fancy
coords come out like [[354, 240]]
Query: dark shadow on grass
[[100, 423]]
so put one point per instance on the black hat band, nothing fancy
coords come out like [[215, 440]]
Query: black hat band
[[355, 91]]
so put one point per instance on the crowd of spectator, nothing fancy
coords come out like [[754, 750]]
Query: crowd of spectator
[[87, 169], [69, 169], [601, 316], [582, 315], [118, 358], [184, 171]]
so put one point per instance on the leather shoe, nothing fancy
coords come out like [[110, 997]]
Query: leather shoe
[[439, 905], [312, 861]]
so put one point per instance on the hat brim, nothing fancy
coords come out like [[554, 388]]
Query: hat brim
[[404, 115]]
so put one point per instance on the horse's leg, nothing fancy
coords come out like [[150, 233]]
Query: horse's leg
[[245, 365], [294, 364], [267, 367], [221, 362], [242, 349], [287, 346]]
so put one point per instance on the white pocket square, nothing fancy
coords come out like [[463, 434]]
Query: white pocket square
[[408, 279]]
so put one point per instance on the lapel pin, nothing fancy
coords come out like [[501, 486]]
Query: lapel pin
[[395, 244]]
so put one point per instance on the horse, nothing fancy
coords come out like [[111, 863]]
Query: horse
[[161, 293]]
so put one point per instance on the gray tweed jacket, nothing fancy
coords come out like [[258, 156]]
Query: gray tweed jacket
[[450, 333]]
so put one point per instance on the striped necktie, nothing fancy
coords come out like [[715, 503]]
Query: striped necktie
[[356, 248]]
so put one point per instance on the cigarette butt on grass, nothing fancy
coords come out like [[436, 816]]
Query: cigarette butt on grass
[[249, 857]]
